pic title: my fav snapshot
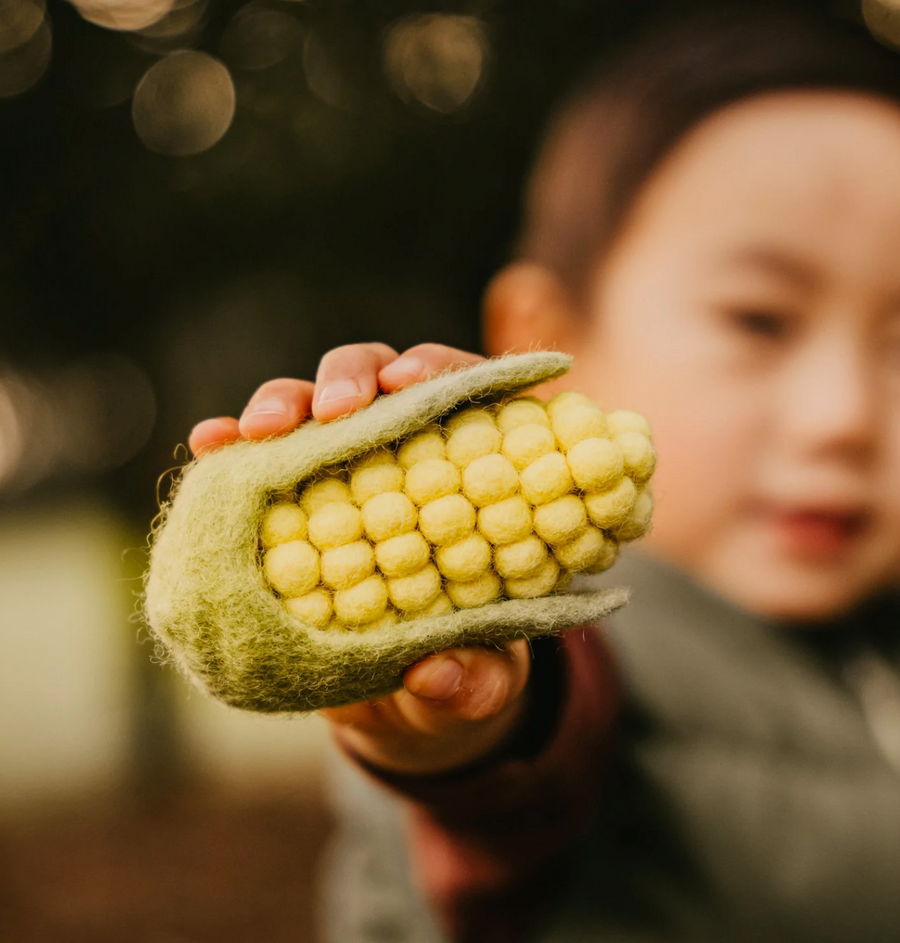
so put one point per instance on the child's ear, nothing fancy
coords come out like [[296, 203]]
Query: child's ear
[[526, 307]]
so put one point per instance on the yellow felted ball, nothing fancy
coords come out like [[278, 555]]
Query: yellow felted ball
[[506, 521], [371, 480], [416, 591], [335, 524], [624, 420], [489, 479], [471, 440], [429, 443], [430, 479], [400, 556], [440, 607], [638, 521], [314, 608], [447, 520], [539, 584], [520, 559], [364, 602], [378, 456], [283, 522], [477, 592], [561, 520], [574, 417], [639, 454], [345, 566], [387, 515], [523, 411], [546, 479], [390, 618], [595, 463], [323, 491], [476, 415], [292, 568], [523, 444], [584, 551], [607, 558], [610, 508], [464, 560]]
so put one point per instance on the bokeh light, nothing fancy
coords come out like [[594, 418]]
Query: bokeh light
[[323, 74], [123, 14], [258, 36], [26, 44], [883, 19], [184, 20], [436, 59], [184, 104]]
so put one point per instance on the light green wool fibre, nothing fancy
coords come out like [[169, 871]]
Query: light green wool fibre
[[207, 600]]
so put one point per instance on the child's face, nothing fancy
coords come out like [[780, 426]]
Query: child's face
[[751, 310]]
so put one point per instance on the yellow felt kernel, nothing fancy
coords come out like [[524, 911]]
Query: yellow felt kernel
[[521, 559], [402, 555], [370, 480], [523, 411], [639, 454], [561, 520], [565, 401], [523, 444], [610, 508], [389, 618], [624, 420], [380, 456], [447, 520], [477, 415], [465, 559], [440, 607], [416, 591], [335, 524], [489, 479], [538, 584], [313, 608], [595, 463], [387, 515], [574, 421], [323, 491], [292, 568], [478, 592], [546, 479], [471, 440], [345, 566], [430, 479], [429, 443], [506, 521], [607, 558], [638, 521], [282, 523], [584, 551], [364, 602]]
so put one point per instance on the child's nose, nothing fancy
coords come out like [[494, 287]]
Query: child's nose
[[831, 401]]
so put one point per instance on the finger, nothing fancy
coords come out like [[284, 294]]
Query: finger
[[212, 434], [278, 406], [437, 696], [348, 379], [419, 363]]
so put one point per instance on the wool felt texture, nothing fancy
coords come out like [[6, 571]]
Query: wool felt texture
[[210, 602]]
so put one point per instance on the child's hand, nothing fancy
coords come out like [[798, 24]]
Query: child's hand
[[454, 707]]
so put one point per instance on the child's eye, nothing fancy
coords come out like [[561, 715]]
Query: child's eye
[[760, 323]]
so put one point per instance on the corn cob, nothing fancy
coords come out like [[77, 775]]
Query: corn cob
[[496, 502]]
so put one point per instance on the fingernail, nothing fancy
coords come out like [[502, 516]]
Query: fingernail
[[340, 389], [273, 406], [439, 680], [406, 366]]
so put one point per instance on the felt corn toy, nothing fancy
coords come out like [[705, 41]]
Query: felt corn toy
[[310, 571]]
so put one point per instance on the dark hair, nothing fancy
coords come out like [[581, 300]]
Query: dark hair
[[606, 142]]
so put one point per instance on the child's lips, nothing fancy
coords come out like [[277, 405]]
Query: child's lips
[[818, 533]]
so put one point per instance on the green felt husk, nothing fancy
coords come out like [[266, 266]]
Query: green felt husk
[[207, 600]]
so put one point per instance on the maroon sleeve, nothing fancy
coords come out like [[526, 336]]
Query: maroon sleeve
[[482, 839]]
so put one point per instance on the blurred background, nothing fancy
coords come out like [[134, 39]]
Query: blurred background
[[197, 196]]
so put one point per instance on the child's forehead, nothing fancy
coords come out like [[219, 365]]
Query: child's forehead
[[793, 167]]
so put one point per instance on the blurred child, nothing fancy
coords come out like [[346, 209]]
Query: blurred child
[[714, 231]]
